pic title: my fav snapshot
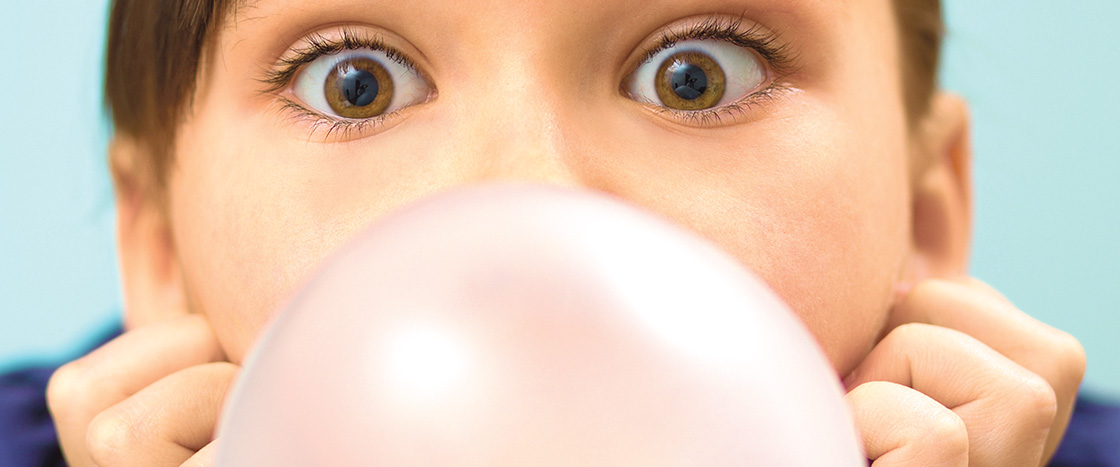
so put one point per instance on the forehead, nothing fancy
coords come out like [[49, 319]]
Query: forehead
[[469, 28], [520, 13]]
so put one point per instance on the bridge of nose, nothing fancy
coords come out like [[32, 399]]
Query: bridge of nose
[[527, 99]]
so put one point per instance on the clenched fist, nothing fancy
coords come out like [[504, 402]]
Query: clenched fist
[[964, 378], [150, 397]]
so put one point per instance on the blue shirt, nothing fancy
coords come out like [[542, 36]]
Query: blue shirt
[[28, 438]]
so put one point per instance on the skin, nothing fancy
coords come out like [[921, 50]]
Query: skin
[[858, 218]]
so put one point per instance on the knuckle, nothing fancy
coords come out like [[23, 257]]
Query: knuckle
[[948, 431], [67, 387], [1038, 401], [110, 436], [1070, 358], [939, 431], [908, 332]]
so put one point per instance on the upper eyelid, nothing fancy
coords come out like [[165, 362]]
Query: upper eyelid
[[768, 44], [728, 28], [777, 53], [282, 73]]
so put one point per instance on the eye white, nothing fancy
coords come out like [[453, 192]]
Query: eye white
[[744, 70], [409, 87]]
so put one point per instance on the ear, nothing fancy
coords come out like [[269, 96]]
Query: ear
[[153, 288], [941, 158]]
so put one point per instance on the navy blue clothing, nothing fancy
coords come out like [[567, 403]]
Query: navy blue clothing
[[1093, 437], [28, 439], [27, 436]]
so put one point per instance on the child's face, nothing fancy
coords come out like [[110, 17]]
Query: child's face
[[809, 187]]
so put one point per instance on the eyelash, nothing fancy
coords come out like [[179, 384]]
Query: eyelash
[[765, 43], [768, 45], [282, 74]]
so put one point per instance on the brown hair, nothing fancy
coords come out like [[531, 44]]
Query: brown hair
[[921, 29], [154, 49], [151, 67]]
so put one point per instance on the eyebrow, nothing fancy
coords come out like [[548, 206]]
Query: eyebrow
[[238, 6], [775, 12]]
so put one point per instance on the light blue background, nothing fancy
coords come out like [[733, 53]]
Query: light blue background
[[1042, 81]]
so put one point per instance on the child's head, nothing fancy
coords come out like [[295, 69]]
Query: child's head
[[805, 138]]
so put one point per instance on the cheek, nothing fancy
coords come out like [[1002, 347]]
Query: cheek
[[230, 254], [834, 246], [825, 225], [836, 267], [813, 200], [255, 211], [247, 228]]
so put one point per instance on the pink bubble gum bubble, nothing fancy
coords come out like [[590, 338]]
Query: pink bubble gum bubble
[[521, 325]]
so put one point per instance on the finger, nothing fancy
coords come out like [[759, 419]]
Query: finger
[[80, 390], [902, 427], [980, 286], [140, 357], [204, 457], [165, 423], [1007, 409], [984, 314], [972, 307]]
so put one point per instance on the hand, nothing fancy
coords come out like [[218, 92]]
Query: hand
[[150, 397], [965, 378]]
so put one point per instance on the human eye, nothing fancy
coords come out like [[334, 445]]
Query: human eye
[[349, 84], [709, 70]]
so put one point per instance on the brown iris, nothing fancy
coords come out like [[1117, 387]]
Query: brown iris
[[359, 88], [690, 81]]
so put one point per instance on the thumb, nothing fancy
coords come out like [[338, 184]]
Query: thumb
[[903, 427]]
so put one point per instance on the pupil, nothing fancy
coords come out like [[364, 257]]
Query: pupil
[[689, 81], [360, 87]]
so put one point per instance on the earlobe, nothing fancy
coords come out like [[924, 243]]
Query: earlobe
[[149, 267], [941, 191]]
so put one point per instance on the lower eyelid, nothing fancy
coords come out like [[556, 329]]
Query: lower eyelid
[[330, 127], [303, 77], [734, 106], [747, 71], [731, 113]]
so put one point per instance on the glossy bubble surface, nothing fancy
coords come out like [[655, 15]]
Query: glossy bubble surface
[[522, 325]]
